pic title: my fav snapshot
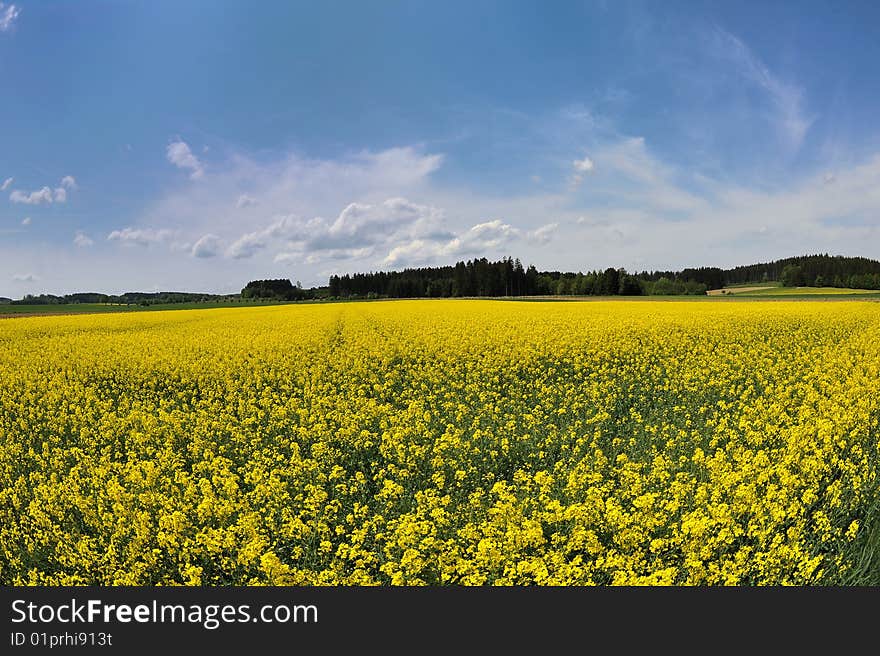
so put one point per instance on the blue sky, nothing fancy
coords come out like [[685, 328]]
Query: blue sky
[[196, 146]]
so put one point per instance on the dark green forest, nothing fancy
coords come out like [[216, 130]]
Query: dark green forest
[[508, 277]]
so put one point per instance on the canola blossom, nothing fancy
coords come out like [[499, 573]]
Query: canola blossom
[[446, 442]]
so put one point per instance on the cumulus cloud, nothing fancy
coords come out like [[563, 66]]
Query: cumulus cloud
[[38, 197], [6, 183], [45, 195], [283, 227], [8, 16], [82, 240], [179, 154], [357, 228], [25, 277], [247, 245], [141, 236], [480, 239], [207, 246]]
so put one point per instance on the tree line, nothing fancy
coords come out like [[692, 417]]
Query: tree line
[[813, 271], [507, 277], [128, 298]]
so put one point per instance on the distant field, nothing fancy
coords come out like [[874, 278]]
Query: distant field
[[762, 285], [774, 289], [756, 292], [805, 291], [7, 310]]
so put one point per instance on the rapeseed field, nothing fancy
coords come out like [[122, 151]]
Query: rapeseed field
[[450, 442]]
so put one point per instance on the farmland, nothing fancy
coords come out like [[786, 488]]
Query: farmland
[[453, 442], [759, 291]]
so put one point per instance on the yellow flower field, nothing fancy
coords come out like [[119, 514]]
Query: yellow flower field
[[443, 442]]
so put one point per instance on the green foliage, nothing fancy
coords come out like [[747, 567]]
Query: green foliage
[[792, 276], [280, 289]]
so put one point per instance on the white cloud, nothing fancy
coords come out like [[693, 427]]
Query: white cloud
[[283, 227], [141, 236], [584, 165], [291, 185], [245, 201], [246, 246], [25, 277], [288, 258], [481, 239], [82, 240], [207, 246], [26, 221], [336, 254], [543, 234], [8, 15], [493, 232], [581, 168], [38, 197], [412, 252], [45, 195], [6, 183], [358, 226], [179, 154]]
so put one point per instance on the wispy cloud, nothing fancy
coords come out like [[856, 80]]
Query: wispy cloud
[[785, 97], [25, 277], [8, 16], [6, 183], [245, 201]]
